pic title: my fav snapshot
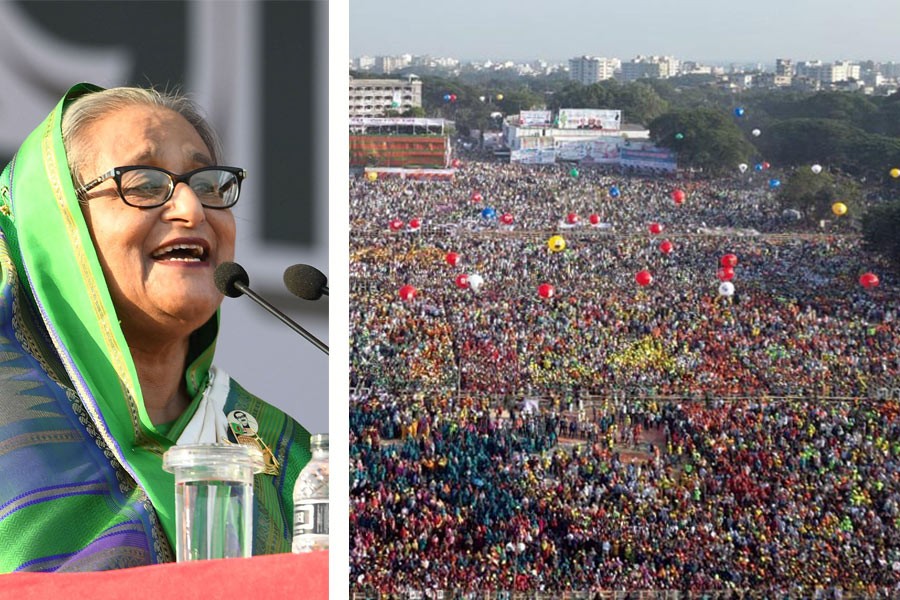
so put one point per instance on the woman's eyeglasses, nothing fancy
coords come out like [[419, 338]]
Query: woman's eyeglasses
[[143, 186]]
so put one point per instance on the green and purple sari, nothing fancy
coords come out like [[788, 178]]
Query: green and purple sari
[[81, 480]]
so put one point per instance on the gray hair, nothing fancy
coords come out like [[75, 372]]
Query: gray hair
[[87, 109]]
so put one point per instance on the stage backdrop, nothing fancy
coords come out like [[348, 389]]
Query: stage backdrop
[[260, 70]]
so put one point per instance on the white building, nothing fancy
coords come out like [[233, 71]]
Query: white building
[[840, 71], [389, 64], [588, 70], [828, 73], [364, 63], [653, 67], [374, 97]]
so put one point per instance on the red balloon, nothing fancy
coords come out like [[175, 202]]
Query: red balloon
[[729, 260], [571, 218], [545, 290], [725, 274], [868, 280], [452, 97], [766, 165], [594, 219], [655, 228], [415, 223], [678, 196], [407, 292], [462, 281], [396, 224], [476, 197], [506, 219], [666, 247], [643, 278], [452, 258], [456, 163]]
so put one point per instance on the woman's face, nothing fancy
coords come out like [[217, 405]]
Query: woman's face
[[155, 292]]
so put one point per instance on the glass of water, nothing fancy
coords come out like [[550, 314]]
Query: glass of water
[[213, 499]]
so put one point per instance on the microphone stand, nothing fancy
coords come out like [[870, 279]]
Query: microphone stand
[[283, 317]]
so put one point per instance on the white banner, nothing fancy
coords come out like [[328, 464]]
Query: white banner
[[535, 118], [392, 121], [589, 118], [533, 156]]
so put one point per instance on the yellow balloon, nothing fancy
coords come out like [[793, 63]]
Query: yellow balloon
[[556, 243], [371, 175], [895, 172], [839, 208], [499, 97]]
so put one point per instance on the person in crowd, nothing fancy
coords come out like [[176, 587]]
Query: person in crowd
[[614, 436], [114, 214]]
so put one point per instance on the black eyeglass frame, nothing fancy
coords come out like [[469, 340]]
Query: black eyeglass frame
[[116, 174]]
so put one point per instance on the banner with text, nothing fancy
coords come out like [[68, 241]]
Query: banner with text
[[533, 156], [648, 157], [535, 118]]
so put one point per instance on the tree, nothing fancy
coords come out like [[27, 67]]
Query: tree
[[576, 95], [703, 138], [814, 194], [842, 106], [880, 225], [639, 103], [805, 141]]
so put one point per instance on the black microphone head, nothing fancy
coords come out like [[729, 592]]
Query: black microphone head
[[305, 281], [227, 275]]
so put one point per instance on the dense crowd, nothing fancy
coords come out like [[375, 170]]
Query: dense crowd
[[776, 467]]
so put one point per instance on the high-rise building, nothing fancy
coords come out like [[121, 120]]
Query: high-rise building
[[784, 67], [363, 63], [828, 73], [654, 67], [841, 70], [389, 64], [588, 69]]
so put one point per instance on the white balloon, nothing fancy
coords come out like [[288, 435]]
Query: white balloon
[[742, 167], [816, 169], [475, 282], [726, 288], [756, 132]]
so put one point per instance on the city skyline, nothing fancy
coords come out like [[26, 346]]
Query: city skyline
[[696, 30]]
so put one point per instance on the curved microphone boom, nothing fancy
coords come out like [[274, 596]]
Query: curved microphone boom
[[232, 280], [305, 281]]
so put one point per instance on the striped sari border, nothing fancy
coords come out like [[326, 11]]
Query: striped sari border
[[38, 437], [54, 492], [121, 546]]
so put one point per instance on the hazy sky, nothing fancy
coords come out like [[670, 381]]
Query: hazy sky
[[556, 30]]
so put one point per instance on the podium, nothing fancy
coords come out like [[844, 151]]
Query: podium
[[274, 576]]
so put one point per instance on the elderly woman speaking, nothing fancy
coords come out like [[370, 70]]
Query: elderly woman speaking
[[114, 214]]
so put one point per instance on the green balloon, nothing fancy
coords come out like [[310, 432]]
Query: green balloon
[[679, 136]]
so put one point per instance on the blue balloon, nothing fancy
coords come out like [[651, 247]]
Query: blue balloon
[[614, 192], [739, 111], [774, 183], [758, 167], [488, 213], [446, 97]]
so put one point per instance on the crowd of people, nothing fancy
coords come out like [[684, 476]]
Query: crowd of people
[[774, 406]]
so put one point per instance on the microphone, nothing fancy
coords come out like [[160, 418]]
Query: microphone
[[305, 281], [232, 280]]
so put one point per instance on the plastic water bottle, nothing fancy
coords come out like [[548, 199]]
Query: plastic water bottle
[[311, 500]]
